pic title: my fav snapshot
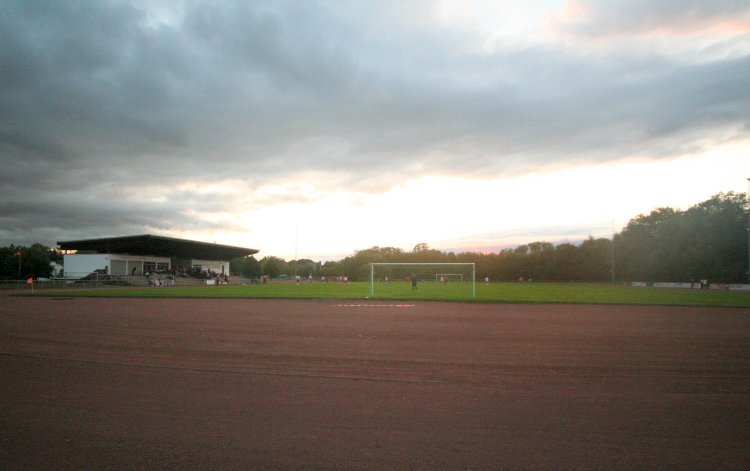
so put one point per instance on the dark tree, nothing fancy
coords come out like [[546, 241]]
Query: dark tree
[[273, 266], [18, 262], [709, 240], [247, 267]]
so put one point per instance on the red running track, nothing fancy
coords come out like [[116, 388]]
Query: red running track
[[261, 384]]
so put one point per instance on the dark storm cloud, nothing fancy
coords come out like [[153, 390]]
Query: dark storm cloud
[[102, 98]]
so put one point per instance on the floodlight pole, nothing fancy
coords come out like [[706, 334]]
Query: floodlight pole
[[613, 252], [747, 203]]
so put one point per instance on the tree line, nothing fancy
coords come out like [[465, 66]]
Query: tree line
[[707, 241], [19, 262]]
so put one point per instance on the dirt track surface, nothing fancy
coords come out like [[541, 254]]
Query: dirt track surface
[[255, 384]]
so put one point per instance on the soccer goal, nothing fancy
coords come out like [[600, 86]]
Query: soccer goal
[[423, 280]]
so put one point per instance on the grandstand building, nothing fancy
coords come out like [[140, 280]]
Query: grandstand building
[[143, 254]]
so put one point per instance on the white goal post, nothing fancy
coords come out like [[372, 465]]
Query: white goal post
[[438, 269]]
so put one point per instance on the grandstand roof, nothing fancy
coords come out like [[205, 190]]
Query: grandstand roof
[[160, 246]]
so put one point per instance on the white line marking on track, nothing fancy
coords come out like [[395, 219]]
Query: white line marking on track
[[373, 305]]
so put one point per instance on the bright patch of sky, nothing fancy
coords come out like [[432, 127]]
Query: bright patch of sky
[[485, 215], [495, 22]]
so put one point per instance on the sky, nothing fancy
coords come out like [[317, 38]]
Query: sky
[[312, 129]]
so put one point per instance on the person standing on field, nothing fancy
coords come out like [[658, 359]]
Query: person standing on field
[[413, 281]]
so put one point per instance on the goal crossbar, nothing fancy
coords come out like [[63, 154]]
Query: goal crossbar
[[471, 265]]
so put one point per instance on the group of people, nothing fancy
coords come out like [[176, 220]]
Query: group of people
[[324, 279], [159, 282], [221, 279]]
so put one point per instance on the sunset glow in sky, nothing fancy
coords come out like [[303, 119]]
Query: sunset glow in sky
[[314, 129]]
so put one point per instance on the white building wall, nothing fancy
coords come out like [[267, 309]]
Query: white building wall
[[79, 265]]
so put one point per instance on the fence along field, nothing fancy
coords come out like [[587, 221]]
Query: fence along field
[[429, 290]]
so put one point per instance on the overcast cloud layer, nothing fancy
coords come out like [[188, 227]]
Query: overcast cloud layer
[[120, 117]]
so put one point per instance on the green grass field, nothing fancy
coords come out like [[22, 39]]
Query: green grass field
[[490, 293]]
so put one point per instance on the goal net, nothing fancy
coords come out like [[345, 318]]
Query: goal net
[[446, 277], [423, 280]]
